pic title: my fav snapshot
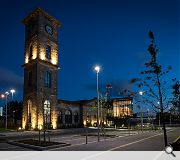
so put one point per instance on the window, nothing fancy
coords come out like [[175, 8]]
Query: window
[[48, 52], [48, 79], [47, 113], [30, 78], [30, 52], [75, 117], [60, 117], [68, 117]]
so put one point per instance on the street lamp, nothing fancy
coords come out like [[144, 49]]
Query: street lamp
[[1, 108], [2, 95], [13, 116], [12, 91], [6, 93], [141, 93], [159, 114], [97, 69]]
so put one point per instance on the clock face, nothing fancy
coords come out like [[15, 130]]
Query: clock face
[[49, 29]]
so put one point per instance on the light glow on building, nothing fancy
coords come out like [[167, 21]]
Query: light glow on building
[[54, 58], [54, 120], [26, 58], [34, 51], [42, 54]]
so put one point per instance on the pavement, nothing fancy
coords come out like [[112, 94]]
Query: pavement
[[124, 140]]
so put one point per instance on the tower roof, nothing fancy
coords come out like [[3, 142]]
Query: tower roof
[[39, 11]]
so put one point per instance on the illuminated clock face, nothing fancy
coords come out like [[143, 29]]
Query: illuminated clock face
[[49, 29]]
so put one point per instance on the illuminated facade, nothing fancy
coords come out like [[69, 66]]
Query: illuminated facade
[[41, 107], [122, 107], [87, 112], [40, 71]]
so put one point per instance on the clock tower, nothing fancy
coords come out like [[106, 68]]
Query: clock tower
[[40, 71]]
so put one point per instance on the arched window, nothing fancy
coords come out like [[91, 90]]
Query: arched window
[[75, 117], [29, 107], [48, 52], [30, 52], [60, 117], [47, 113], [68, 117], [47, 79]]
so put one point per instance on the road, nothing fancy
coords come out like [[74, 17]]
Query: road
[[117, 140], [147, 141]]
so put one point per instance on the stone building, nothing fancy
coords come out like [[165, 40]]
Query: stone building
[[41, 107], [40, 70]]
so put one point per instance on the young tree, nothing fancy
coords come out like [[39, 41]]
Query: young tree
[[155, 84], [176, 95]]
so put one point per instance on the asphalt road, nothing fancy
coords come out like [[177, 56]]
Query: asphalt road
[[117, 140], [147, 141]]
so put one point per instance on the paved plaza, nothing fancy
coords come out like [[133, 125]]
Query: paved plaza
[[114, 140]]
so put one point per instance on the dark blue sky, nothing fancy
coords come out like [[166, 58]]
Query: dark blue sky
[[111, 33]]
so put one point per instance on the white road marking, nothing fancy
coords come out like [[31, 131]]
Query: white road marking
[[98, 154], [137, 141]]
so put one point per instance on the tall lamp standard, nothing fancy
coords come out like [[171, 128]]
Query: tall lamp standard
[[13, 116], [1, 112], [159, 114], [6, 93], [141, 93], [97, 69], [12, 91]]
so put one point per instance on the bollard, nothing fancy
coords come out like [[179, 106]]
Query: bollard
[[86, 135], [39, 136], [49, 136], [45, 137]]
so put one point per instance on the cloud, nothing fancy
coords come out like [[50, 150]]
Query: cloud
[[10, 79]]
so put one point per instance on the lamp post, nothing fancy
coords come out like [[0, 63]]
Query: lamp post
[[6, 93], [159, 114], [13, 117], [141, 93], [12, 91], [97, 69], [1, 111]]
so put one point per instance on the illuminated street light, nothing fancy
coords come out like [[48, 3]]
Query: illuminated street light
[[6, 93], [1, 108], [13, 116], [141, 93], [12, 91], [2, 95], [97, 69]]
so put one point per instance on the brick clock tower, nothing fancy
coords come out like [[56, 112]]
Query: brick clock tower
[[40, 71]]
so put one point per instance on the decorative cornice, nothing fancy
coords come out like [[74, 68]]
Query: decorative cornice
[[39, 11], [37, 60]]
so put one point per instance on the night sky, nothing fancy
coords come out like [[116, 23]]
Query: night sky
[[111, 33]]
